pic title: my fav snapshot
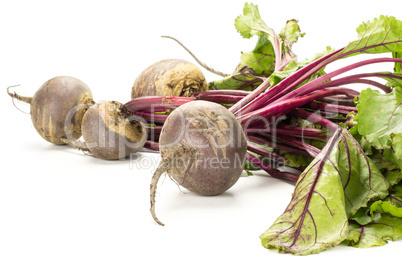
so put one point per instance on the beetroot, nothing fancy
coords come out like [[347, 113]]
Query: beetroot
[[171, 77], [60, 99], [203, 148]]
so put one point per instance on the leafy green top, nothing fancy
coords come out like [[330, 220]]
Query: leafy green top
[[317, 216]]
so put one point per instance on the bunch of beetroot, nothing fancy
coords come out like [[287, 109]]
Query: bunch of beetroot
[[273, 113], [299, 123]]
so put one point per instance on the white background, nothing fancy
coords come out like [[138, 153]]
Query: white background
[[60, 208]]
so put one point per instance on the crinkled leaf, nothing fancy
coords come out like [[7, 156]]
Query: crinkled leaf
[[383, 228], [362, 216], [303, 123], [288, 36], [237, 81], [397, 143], [380, 221], [339, 181], [260, 61], [393, 176], [379, 119], [295, 160], [381, 162], [272, 52], [298, 160], [395, 196], [389, 166], [386, 207], [250, 23], [380, 35], [389, 154], [394, 199]]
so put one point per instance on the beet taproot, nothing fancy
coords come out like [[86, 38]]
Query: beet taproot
[[111, 134], [203, 149], [171, 77], [60, 99]]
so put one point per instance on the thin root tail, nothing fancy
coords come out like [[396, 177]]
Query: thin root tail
[[196, 59], [162, 168], [18, 97]]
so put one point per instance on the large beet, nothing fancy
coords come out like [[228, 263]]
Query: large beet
[[203, 148]]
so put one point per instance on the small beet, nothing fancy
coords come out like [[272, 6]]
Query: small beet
[[110, 134]]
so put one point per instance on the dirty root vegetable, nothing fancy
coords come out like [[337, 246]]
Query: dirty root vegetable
[[171, 77], [203, 149], [109, 133], [60, 99]]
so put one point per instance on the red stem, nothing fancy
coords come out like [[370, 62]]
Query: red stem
[[151, 145], [272, 171], [272, 157], [285, 106], [150, 102], [280, 146]]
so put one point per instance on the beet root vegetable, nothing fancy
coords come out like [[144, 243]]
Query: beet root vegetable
[[203, 148], [171, 77], [111, 134], [53, 102]]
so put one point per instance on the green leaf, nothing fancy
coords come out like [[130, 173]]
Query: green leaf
[[395, 196], [389, 154], [248, 166], [381, 162], [260, 61], [288, 36], [393, 199], [250, 23], [397, 143], [272, 52], [339, 181], [246, 173], [379, 119], [386, 207], [382, 229], [364, 215], [295, 160], [380, 35], [290, 33], [263, 59], [393, 176], [237, 81]]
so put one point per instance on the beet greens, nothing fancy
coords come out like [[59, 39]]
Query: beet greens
[[303, 229]]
